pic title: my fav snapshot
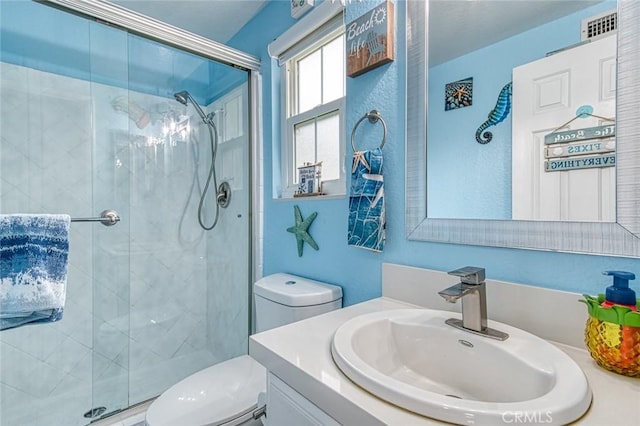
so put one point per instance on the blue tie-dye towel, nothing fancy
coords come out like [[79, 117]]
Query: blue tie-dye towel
[[366, 201], [33, 268]]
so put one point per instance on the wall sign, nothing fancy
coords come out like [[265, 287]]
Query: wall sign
[[370, 40], [579, 148], [300, 7], [586, 162], [598, 132]]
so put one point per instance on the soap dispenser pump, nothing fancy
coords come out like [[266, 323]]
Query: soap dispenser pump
[[619, 293]]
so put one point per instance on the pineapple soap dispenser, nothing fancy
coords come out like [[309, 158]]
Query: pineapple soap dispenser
[[612, 333]]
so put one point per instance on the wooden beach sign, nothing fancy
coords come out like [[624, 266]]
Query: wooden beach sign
[[370, 40]]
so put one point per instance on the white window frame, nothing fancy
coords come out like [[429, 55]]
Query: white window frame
[[229, 160], [326, 31], [220, 108]]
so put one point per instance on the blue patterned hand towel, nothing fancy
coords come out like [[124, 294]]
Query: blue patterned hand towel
[[366, 201], [33, 268]]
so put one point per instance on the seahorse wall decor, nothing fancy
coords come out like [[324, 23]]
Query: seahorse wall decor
[[497, 115]]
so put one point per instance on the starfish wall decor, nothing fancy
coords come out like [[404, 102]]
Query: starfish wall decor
[[301, 230], [458, 94]]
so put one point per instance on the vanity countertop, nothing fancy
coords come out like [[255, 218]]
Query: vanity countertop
[[300, 355]]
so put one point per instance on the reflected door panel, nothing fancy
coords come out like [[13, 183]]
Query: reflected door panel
[[546, 97]]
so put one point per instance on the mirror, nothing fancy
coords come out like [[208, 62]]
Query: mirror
[[526, 62], [610, 238]]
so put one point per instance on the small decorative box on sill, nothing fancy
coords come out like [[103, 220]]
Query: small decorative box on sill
[[309, 183]]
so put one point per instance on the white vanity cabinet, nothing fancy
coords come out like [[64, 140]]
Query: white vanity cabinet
[[286, 407]]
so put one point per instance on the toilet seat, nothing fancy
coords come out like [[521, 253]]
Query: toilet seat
[[215, 396]]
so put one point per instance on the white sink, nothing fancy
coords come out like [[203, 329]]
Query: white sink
[[411, 358]]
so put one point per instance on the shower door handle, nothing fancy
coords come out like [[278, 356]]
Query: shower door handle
[[107, 218]]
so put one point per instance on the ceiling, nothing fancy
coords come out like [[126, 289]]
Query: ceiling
[[457, 27], [460, 27], [216, 20]]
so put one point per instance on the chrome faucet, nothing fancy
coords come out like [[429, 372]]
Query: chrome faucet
[[473, 292]]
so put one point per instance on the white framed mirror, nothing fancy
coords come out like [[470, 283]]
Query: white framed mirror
[[619, 238]]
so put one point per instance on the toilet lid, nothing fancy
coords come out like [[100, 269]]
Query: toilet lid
[[211, 396]]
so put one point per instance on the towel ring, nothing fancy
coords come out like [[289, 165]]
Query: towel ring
[[373, 117]]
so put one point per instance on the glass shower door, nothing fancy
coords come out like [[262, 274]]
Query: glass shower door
[[189, 290], [49, 163], [89, 122]]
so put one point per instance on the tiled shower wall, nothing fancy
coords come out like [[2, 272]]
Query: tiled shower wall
[[149, 300], [42, 137]]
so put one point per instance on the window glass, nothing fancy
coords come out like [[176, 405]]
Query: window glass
[[333, 70], [304, 137], [328, 145], [309, 82]]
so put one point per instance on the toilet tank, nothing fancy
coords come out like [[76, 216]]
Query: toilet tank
[[283, 298]]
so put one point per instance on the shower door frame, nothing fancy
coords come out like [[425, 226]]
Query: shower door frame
[[160, 31], [153, 29]]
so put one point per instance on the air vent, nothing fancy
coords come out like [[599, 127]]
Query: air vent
[[599, 25]]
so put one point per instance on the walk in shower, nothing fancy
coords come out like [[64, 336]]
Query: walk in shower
[[89, 122]]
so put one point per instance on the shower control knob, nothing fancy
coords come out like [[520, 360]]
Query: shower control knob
[[224, 194]]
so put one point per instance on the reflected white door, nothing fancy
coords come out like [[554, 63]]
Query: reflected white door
[[546, 94]]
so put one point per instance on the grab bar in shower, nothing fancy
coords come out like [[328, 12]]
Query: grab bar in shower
[[107, 218]]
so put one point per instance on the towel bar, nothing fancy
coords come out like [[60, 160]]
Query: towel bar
[[107, 218]]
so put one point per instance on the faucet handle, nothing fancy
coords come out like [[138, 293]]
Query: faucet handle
[[470, 274]]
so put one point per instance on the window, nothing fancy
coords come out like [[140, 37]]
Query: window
[[313, 98], [231, 123]]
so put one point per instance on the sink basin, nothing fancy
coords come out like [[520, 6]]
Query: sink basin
[[411, 358]]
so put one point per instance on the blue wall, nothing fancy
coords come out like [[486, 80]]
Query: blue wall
[[455, 160], [357, 270]]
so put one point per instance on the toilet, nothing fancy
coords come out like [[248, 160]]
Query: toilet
[[226, 394]]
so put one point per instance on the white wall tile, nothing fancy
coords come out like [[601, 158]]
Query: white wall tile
[[30, 368]]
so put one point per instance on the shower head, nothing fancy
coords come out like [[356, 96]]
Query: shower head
[[184, 96]]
